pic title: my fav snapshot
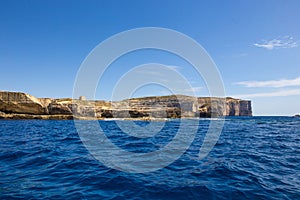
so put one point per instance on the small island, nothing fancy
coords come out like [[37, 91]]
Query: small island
[[19, 105]]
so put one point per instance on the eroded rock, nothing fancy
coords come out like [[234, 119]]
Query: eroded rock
[[17, 105]]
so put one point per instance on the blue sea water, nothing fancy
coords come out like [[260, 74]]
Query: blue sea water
[[254, 158]]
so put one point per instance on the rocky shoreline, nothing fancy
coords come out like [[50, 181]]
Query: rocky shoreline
[[18, 105]]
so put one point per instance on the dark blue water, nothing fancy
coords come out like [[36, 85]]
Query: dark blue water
[[255, 158]]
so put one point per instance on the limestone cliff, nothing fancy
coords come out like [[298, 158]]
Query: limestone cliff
[[17, 105], [17, 102]]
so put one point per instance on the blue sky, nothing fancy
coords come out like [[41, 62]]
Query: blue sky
[[255, 45]]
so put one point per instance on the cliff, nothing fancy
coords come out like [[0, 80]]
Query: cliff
[[18, 105]]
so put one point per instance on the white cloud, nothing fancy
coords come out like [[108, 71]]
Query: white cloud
[[173, 67], [281, 42], [193, 89], [157, 70], [150, 72], [242, 54], [186, 91], [281, 93], [271, 83]]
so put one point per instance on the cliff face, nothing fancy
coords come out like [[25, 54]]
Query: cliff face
[[17, 105], [17, 102], [238, 107]]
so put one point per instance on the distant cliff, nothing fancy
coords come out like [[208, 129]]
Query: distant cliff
[[18, 105]]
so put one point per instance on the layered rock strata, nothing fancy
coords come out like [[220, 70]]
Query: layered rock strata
[[18, 105]]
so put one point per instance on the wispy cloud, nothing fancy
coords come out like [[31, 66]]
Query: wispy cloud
[[173, 67], [187, 91], [271, 83], [193, 89], [157, 70], [281, 42], [150, 72], [281, 93], [240, 55]]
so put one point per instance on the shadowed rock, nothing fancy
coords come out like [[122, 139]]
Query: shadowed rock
[[18, 105]]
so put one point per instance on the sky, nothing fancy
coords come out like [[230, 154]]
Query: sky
[[254, 44]]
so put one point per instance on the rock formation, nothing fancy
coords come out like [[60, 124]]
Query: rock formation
[[18, 105]]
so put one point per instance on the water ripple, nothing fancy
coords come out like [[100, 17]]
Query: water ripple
[[255, 158]]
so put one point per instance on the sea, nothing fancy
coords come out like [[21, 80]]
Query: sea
[[253, 158]]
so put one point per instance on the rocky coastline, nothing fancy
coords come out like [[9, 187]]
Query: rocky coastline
[[19, 105]]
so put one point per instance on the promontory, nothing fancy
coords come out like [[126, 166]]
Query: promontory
[[19, 105]]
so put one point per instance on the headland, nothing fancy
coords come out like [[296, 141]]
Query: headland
[[19, 105]]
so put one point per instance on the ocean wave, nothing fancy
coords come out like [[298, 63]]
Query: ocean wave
[[255, 158]]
